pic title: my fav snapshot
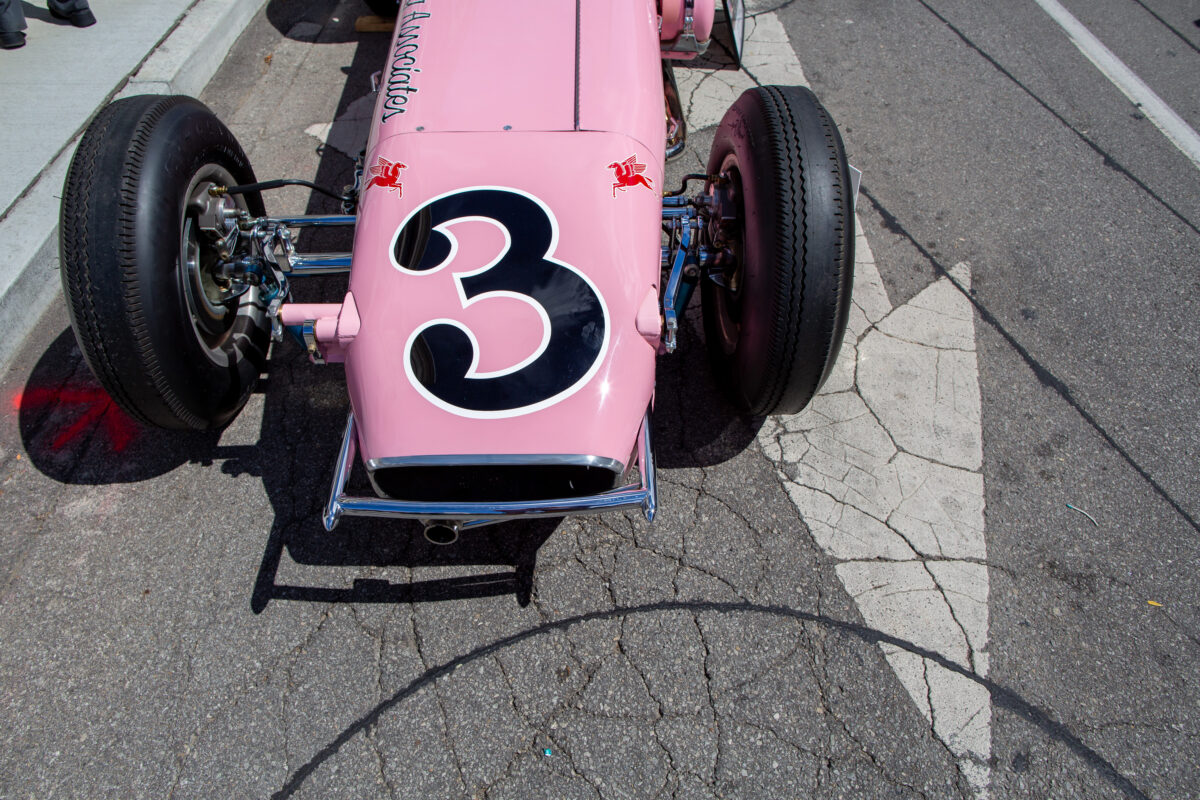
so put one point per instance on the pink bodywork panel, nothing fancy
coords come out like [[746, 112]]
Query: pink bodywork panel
[[479, 66], [620, 78], [484, 67], [613, 241]]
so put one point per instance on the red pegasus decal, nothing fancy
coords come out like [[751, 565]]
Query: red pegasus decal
[[387, 173], [629, 173]]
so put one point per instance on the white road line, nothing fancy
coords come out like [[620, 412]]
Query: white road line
[[1173, 126], [885, 466]]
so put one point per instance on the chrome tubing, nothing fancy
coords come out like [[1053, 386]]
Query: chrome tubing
[[300, 265], [646, 468], [474, 515], [676, 121], [675, 280], [333, 510], [316, 221]]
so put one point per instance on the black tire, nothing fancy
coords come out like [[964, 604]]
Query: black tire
[[388, 9], [775, 327], [133, 268]]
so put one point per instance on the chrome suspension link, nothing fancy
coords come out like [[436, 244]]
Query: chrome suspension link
[[684, 258]]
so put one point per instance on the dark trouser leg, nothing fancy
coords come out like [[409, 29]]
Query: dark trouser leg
[[76, 11], [66, 7], [12, 17]]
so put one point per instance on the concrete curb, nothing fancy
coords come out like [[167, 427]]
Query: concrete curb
[[181, 64], [191, 55]]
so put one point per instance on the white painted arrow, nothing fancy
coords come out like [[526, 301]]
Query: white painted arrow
[[885, 466]]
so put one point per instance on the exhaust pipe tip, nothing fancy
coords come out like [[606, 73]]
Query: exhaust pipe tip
[[442, 533]]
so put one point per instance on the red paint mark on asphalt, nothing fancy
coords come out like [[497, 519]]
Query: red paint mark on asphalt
[[87, 407]]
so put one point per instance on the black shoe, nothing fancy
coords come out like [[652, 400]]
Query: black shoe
[[11, 40], [80, 19]]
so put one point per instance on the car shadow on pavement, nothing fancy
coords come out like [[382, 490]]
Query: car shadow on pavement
[[375, 543], [695, 425], [73, 432], [304, 22]]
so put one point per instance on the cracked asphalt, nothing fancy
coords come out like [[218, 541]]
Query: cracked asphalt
[[178, 624]]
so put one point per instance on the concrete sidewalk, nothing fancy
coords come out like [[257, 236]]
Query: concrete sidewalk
[[52, 87]]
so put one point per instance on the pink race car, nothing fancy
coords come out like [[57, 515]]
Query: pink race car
[[517, 266]]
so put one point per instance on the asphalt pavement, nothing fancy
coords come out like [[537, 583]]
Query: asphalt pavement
[[986, 136], [968, 571]]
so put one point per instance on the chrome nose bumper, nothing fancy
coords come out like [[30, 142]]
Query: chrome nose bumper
[[465, 515]]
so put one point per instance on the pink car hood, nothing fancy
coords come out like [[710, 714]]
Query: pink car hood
[[504, 293], [523, 65]]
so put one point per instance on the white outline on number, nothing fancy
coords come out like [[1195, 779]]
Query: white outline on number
[[472, 374]]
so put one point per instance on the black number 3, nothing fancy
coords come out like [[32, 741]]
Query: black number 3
[[440, 355]]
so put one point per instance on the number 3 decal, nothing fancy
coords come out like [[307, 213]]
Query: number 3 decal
[[440, 357]]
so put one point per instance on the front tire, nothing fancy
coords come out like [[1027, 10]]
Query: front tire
[[162, 337], [775, 317]]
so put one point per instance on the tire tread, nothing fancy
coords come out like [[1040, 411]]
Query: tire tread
[[104, 284], [807, 260]]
